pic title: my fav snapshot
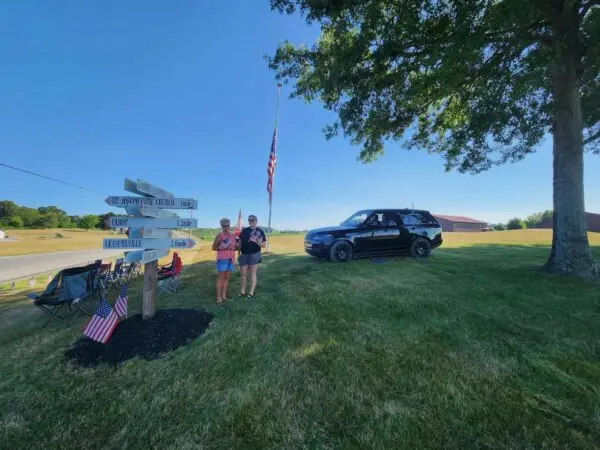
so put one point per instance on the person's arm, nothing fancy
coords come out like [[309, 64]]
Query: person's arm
[[263, 239], [216, 242], [239, 243]]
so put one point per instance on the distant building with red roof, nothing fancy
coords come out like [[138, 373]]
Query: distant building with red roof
[[461, 223]]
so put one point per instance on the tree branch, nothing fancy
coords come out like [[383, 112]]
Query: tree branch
[[524, 32], [592, 138], [586, 7]]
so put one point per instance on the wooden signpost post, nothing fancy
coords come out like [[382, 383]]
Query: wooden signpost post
[[150, 236]]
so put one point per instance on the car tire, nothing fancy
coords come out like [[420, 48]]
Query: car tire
[[420, 248], [341, 251]]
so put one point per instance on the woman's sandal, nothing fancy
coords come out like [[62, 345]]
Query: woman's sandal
[[241, 295], [249, 296]]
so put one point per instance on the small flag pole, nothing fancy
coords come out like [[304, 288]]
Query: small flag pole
[[274, 144]]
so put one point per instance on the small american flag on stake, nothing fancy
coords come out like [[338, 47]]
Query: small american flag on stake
[[271, 165], [121, 303], [102, 324]]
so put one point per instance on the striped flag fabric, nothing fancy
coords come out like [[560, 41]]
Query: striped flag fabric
[[238, 225], [102, 324], [121, 303], [271, 165]]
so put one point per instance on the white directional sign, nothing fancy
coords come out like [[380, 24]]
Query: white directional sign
[[149, 211], [127, 222], [145, 256], [156, 233], [167, 203], [152, 244], [146, 189], [153, 211], [149, 233]]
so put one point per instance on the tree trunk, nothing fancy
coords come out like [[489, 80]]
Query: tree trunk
[[570, 247]]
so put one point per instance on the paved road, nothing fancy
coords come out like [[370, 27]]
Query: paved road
[[12, 267]]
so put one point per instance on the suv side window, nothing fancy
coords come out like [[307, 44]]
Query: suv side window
[[413, 218], [384, 219]]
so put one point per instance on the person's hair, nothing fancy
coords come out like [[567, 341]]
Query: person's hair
[[225, 220], [252, 216]]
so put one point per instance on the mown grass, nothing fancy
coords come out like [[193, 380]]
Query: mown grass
[[472, 348]]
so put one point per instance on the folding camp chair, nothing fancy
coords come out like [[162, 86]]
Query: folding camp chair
[[116, 277], [132, 271], [168, 276], [71, 288]]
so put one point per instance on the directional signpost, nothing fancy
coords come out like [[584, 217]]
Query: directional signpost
[[146, 189], [151, 211], [148, 243], [145, 256], [149, 231], [127, 222], [166, 203]]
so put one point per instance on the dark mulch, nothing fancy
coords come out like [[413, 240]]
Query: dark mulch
[[167, 330]]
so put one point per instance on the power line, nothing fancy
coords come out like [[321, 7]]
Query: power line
[[51, 179]]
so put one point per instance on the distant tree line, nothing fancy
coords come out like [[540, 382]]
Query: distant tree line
[[532, 221], [15, 216]]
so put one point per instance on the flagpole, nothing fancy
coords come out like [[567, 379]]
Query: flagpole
[[271, 195]]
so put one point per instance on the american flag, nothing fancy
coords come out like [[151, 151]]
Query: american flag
[[238, 226], [271, 165], [121, 303], [102, 323]]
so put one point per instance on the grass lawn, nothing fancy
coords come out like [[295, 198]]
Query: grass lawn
[[473, 348]]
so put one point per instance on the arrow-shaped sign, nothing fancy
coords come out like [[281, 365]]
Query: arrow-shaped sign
[[152, 244], [166, 203], [145, 256], [127, 222], [146, 189], [149, 211], [155, 233]]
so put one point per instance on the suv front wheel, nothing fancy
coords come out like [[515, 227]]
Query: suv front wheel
[[420, 248], [341, 251]]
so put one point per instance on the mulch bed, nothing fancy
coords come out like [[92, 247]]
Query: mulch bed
[[167, 330]]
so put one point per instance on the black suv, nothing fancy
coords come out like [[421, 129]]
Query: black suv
[[376, 232]]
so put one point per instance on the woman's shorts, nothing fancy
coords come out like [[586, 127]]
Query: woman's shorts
[[225, 265], [249, 259]]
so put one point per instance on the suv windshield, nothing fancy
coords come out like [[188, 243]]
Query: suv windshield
[[357, 218]]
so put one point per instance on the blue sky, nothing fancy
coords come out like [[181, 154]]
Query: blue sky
[[178, 94]]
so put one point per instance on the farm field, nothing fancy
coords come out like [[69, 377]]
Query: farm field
[[472, 348]]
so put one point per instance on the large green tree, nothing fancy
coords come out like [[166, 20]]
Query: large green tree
[[480, 82], [88, 221], [8, 209]]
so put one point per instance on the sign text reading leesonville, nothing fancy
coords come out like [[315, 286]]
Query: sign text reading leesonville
[[167, 203], [147, 243], [127, 222]]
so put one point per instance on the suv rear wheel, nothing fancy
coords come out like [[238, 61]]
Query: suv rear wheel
[[341, 251], [420, 248]]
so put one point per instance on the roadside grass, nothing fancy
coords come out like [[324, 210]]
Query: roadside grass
[[472, 348], [45, 241]]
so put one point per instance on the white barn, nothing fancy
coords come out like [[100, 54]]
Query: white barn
[[2, 234]]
